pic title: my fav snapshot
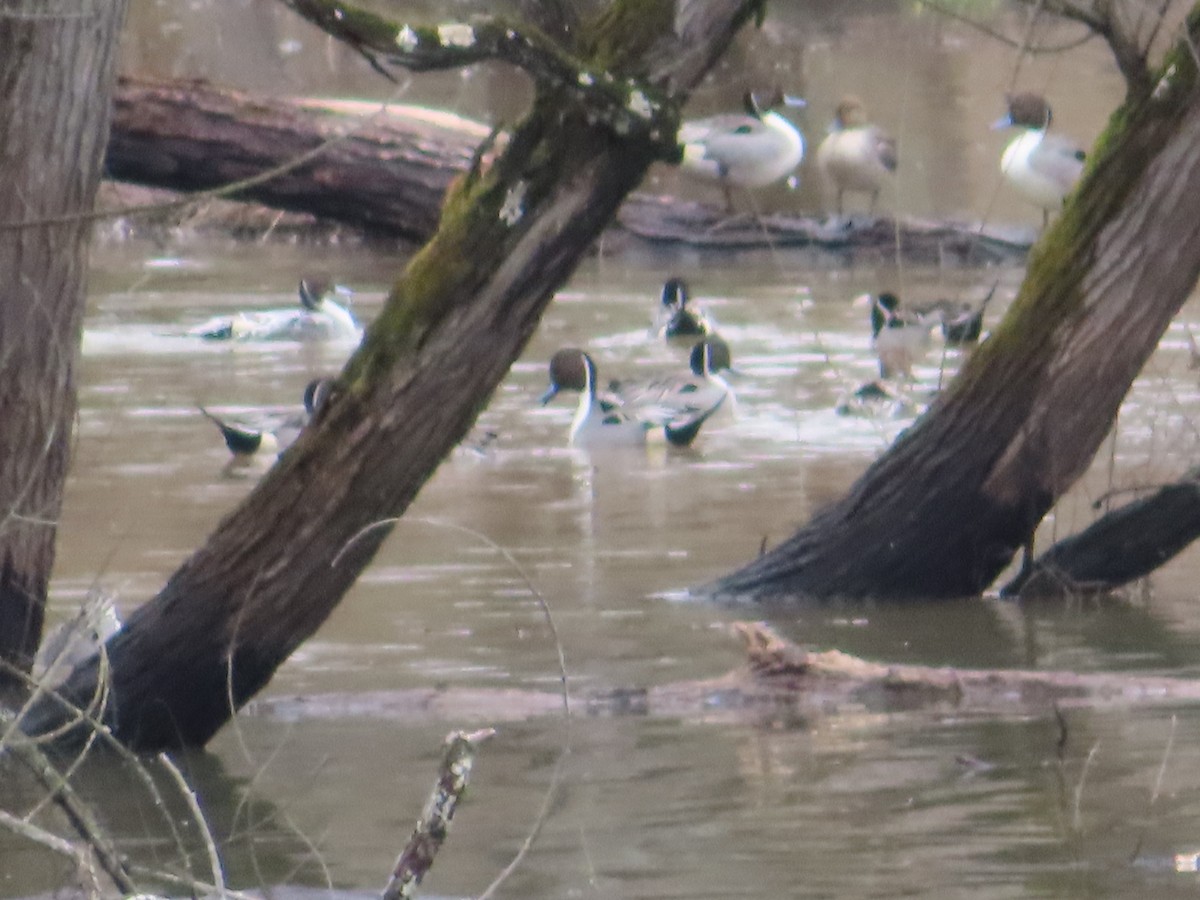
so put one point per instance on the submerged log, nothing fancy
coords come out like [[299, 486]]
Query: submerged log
[[390, 171], [1122, 546]]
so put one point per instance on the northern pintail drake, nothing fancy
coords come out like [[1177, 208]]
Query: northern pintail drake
[[751, 149], [1042, 167], [703, 388], [262, 438], [901, 337], [676, 319], [855, 155], [319, 317], [602, 422]]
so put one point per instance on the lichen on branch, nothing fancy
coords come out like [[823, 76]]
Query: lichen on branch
[[627, 104]]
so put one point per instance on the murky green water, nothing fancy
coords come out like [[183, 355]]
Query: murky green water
[[703, 802]]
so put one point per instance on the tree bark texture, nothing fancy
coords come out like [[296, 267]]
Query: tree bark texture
[[1121, 546], [274, 569], [386, 173], [946, 507], [56, 76], [390, 172]]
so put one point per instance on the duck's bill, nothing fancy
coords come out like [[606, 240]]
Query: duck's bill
[[551, 393], [1004, 121], [791, 100]]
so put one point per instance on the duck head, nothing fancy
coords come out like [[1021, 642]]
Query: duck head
[[570, 370], [851, 112], [674, 293], [1025, 110]]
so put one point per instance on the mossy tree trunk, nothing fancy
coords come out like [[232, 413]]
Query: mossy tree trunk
[[944, 510], [510, 235], [56, 74]]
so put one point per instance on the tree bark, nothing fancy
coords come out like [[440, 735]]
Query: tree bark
[[510, 235], [946, 507], [1123, 545], [389, 173], [384, 173], [56, 75]]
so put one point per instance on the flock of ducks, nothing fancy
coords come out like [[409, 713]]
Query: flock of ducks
[[746, 150], [759, 147], [318, 317], [669, 409]]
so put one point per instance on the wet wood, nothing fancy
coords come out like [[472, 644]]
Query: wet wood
[[779, 676], [389, 174], [1123, 545]]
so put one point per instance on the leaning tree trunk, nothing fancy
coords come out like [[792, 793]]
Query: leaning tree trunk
[[510, 235], [945, 509], [56, 74]]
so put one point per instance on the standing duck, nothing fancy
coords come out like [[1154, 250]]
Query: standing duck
[[676, 319], [604, 422], [1042, 167], [855, 155], [751, 149]]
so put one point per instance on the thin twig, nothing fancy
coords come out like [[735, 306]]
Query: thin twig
[[1076, 817], [189, 797]]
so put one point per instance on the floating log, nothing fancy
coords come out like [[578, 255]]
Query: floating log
[[387, 173]]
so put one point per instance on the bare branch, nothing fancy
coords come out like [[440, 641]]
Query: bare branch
[[629, 105], [417, 857]]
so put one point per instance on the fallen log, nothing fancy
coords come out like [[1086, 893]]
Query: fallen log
[[387, 173], [1123, 545], [780, 677]]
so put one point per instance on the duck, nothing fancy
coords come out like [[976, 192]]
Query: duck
[[253, 439], [604, 422], [751, 149], [901, 337], [676, 319], [1041, 167], [855, 155], [317, 318], [702, 388], [962, 321]]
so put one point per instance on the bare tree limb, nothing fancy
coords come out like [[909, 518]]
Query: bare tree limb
[[417, 857]]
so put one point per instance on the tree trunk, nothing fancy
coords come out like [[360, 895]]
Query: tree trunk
[[946, 507], [388, 176], [56, 75], [510, 235]]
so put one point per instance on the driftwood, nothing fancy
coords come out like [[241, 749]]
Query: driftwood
[[1121, 546], [387, 175], [780, 678]]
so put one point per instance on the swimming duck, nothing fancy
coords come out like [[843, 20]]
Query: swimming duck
[[703, 388], [751, 149], [1042, 167], [604, 422], [962, 321], [855, 155], [262, 438], [318, 318], [901, 337], [675, 318]]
